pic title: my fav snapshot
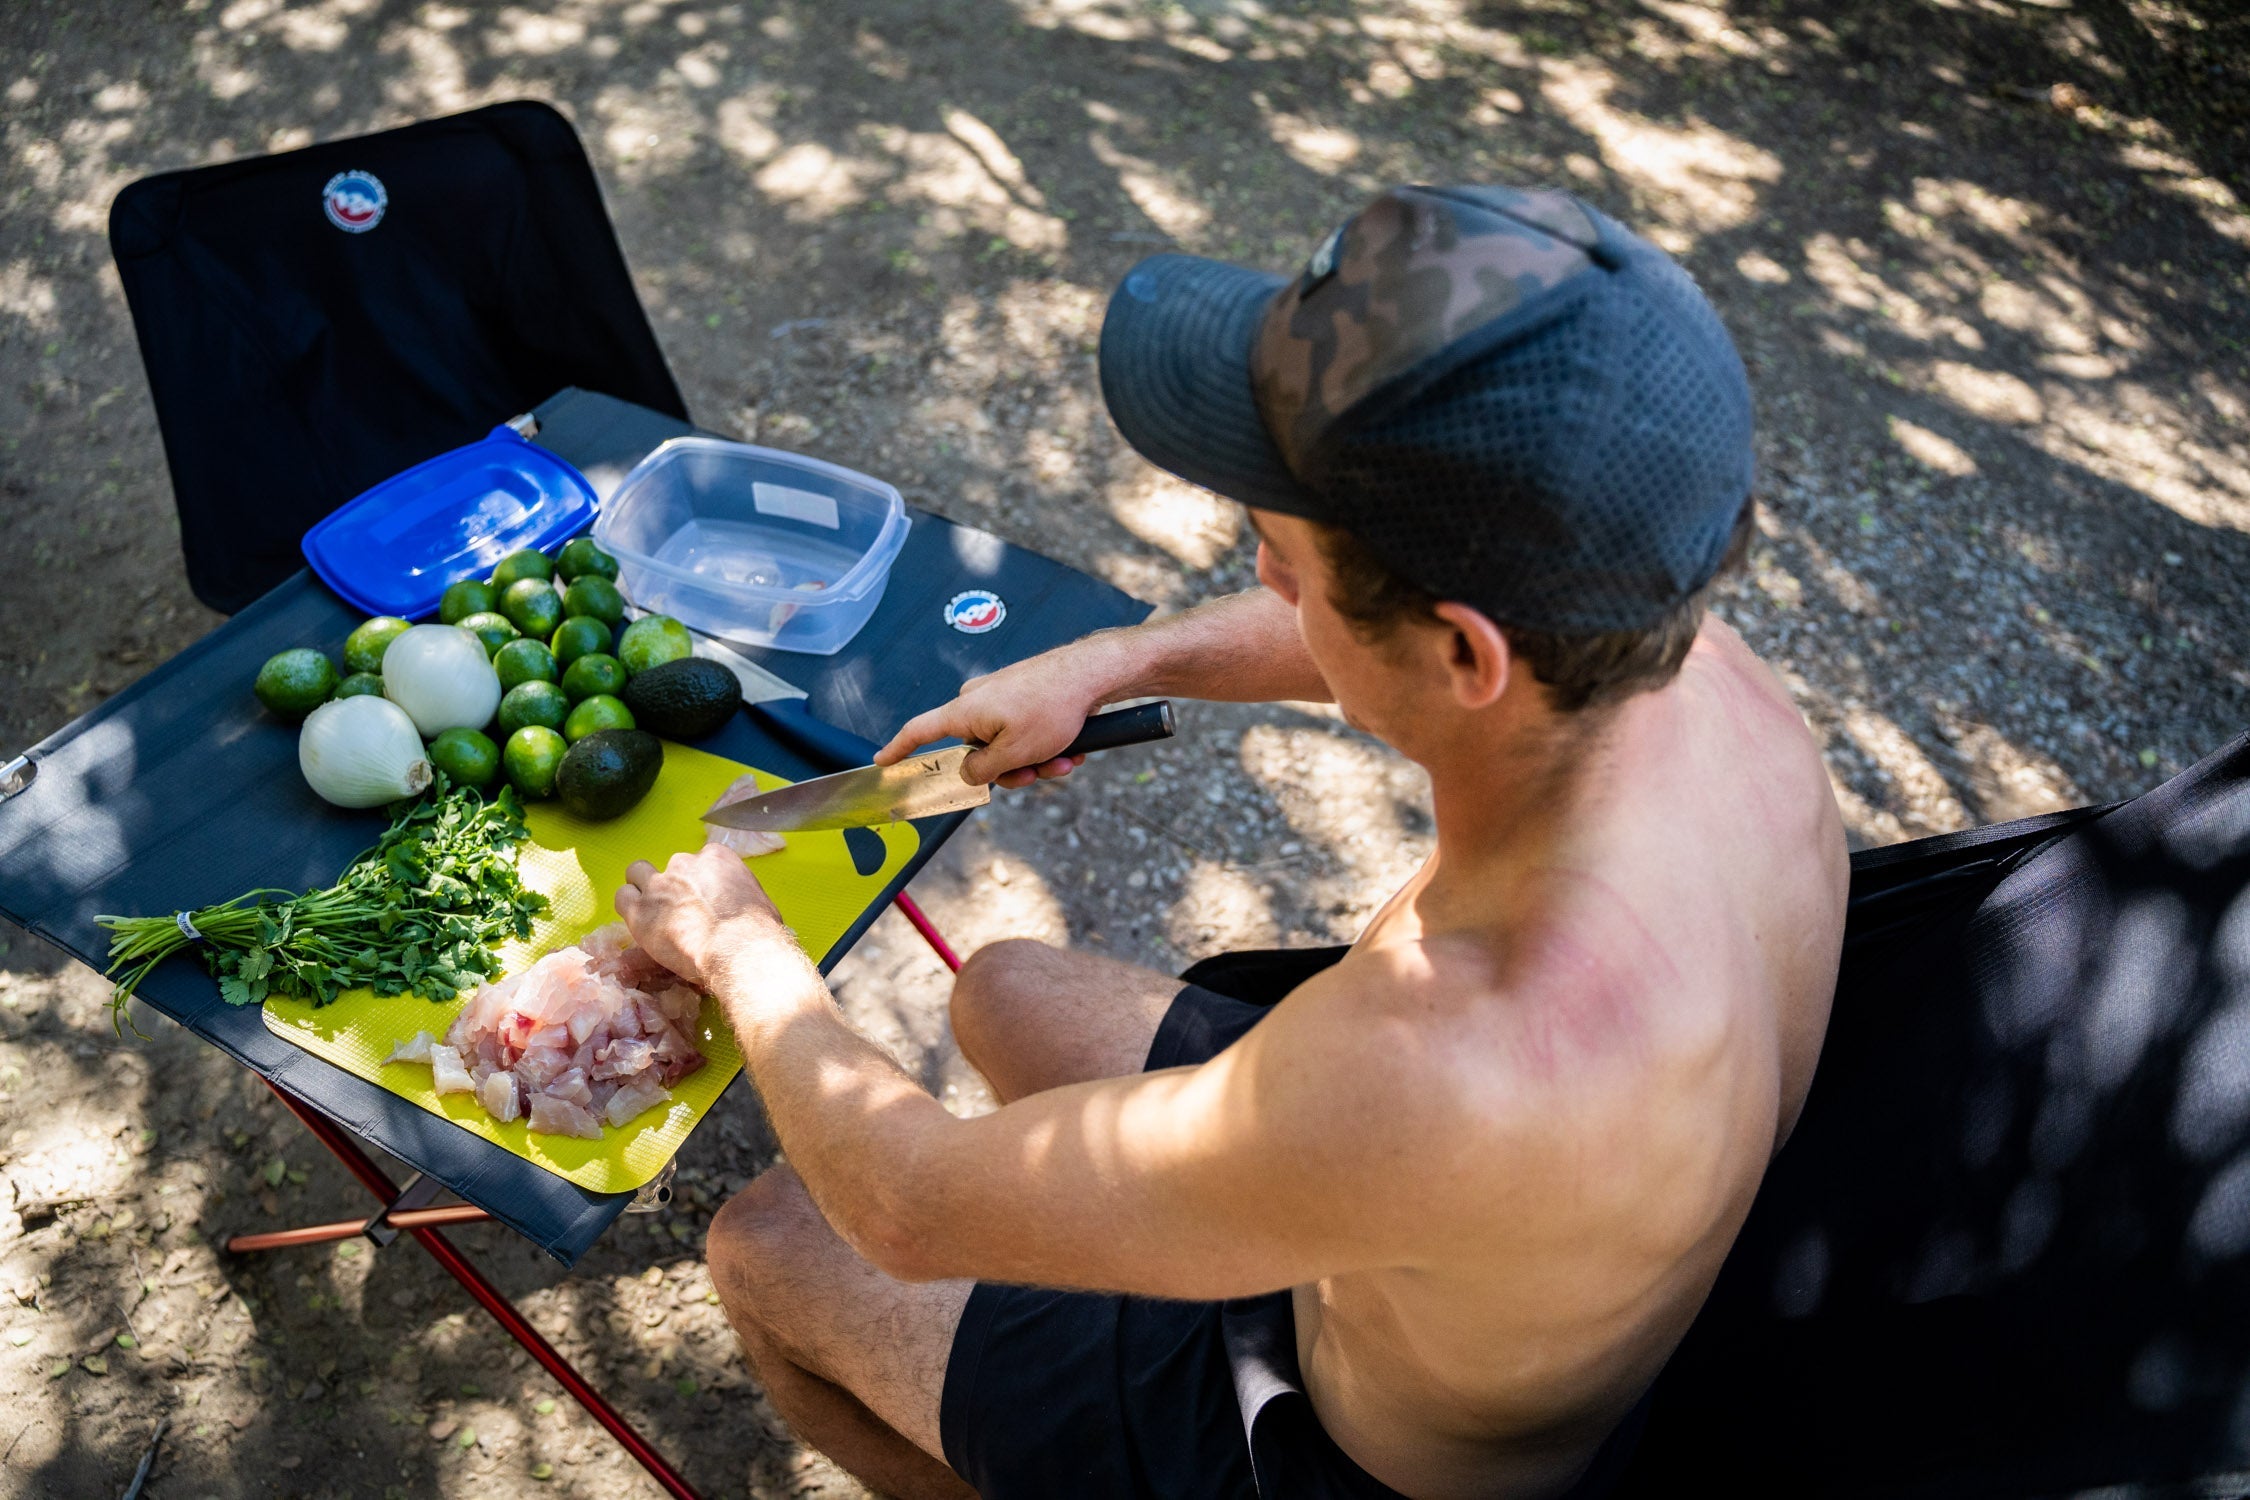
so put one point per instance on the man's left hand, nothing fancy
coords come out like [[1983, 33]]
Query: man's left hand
[[704, 912]]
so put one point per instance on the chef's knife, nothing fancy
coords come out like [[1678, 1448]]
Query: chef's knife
[[920, 786]]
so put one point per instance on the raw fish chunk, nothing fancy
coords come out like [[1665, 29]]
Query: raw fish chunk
[[633, 1099], [572, 1086], [676, 1057], [746, 842], [586, 1020], [568, 1039], [540, 1064], [605, 942], [680, 1004], [623, 1058], [552, 1116], [498, 1096], [447, 1074]]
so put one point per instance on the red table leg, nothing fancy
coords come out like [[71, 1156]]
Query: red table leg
[[378, 1182], [922, 925]]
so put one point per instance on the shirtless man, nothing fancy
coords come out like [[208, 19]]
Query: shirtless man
[[1425, 1218]]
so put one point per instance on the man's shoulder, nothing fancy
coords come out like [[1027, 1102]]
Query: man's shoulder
[[1456, 1023]]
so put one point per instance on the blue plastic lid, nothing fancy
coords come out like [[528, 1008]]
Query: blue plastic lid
[[393, 549]]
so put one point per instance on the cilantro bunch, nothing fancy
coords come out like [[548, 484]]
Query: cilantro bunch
[[420, 912]]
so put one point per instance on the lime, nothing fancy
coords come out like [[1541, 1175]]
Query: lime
[[580, 635], [361, 685], [294, 683], [466, 756], [364, 647], [534, 702], [494, 630], [594, 715], [526, 660], [533, 755], [597, 596], [581, 557], [463, 599], [592, 675], [528, 562], [532, 606], [653, 640]]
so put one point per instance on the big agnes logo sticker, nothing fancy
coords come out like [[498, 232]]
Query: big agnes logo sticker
[[975, 611], [354, 201]]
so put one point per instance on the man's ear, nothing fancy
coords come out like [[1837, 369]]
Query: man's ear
[[1477, 659]]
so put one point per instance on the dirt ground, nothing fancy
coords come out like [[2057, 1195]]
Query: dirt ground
[[1989, 262]]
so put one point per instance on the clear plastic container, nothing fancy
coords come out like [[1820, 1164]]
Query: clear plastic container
[[753, 545]]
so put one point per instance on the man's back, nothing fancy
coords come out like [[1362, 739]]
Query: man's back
[[1596, 1043]]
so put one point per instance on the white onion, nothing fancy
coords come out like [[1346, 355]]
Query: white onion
[[440, 675], [361, 752]]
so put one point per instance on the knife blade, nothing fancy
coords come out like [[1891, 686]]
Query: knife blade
[[920, 786]]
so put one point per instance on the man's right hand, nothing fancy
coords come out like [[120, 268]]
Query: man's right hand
[[1244, 648], [1021, 715]]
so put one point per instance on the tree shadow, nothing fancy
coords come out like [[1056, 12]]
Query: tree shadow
[[1999, 348]]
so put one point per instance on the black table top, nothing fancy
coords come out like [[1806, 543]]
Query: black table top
[[180, 792]]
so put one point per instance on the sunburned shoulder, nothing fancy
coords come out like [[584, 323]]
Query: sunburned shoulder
[[1724, 660], [1752, 736], [1446, 1026]]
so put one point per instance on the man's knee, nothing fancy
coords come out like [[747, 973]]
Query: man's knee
[[761, 1240], [996, 986]]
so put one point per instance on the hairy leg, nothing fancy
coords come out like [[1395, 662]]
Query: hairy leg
[[854, 1360], [1031, 1017]]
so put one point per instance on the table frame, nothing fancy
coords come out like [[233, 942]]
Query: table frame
[[603, 437], [403, 1211]]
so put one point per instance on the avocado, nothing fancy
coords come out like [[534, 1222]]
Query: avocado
[[683, 700], [608, 772]]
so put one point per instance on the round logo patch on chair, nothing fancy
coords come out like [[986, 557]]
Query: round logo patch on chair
[[354, 201], [975, 611]]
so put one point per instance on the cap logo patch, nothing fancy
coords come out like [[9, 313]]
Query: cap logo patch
[[975, 611], [354, 201], [1323, 262]]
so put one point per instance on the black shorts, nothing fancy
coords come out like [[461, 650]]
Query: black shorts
[[1093, 1394]]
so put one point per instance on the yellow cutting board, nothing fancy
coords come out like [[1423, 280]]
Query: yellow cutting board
[[578, 866]]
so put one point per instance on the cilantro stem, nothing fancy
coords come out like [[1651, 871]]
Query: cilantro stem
[[421, 911]]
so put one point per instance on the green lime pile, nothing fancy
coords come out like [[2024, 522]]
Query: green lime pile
[[653, 640], [293, 683], [470, 758], [555, 631]]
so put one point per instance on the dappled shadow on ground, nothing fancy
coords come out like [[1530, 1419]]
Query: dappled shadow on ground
[[2000, 346], [333, 1369], [1999, 333]]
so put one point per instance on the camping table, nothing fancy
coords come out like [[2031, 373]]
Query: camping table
[[179, 792]]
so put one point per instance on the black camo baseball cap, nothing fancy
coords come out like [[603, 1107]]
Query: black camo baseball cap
[[1508, 397]]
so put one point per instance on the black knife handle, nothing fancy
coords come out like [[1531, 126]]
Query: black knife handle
[[1122, 726]]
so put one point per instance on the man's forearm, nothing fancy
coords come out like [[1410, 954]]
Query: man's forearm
[[1244, 648], [847, 1116]]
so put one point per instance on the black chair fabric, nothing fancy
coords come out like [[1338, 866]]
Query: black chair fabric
[[2007, 1250], [294, 364]]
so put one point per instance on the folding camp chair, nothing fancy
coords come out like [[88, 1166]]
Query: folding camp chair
[[315, 321], [2006, 1250]]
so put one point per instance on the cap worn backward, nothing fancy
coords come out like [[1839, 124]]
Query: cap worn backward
[[1175, 372], [1400, 294], [1510, 399]]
